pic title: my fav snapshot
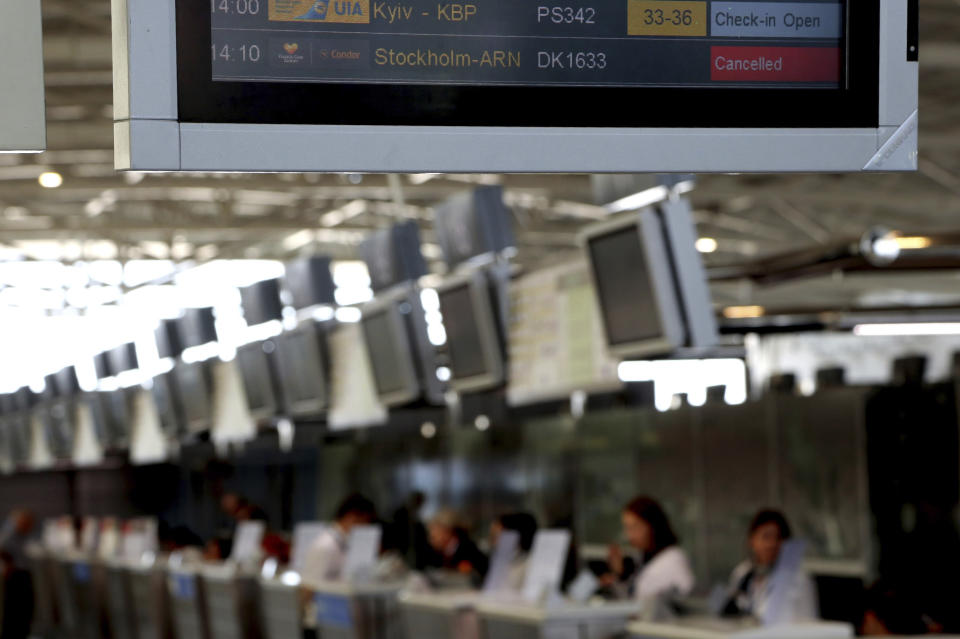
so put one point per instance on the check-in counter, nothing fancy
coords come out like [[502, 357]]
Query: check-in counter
[[500, 620], [281, 608], [441, 615], [150, 597], [357, 611], [63, 596], [715, 628], [120, 612], [230, 597], [79, 584], [188, 609], [45, 599]]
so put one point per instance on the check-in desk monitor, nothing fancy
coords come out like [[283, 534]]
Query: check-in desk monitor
[[403, 360], [607, 85], [302, 364], [259, 378], [473, 321], [650, 283], [193, 389]]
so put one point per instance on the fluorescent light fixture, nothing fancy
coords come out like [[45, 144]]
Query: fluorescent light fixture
[[437, 334], [645, 198], [690, 377], [913, 243], [707, 245], [348, 314], [743, 312], [50, 179], [261, 332], [918, 328], [430, 300], [201, 353], [298, 240], [322, 313]]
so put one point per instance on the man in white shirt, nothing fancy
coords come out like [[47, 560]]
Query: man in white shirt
[[324, 561]]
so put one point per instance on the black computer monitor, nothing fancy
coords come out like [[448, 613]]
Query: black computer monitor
[[402, 359], [257, 369], [123, 358], [261, 302], [193, 389], [58, 421], [393, 255], [472, 224], [166, 400], [310, 282], [470, 306], [101, 365], [650, 283], [302, 364], [198, 327], [67, 382], [114, 418], [169, 339]]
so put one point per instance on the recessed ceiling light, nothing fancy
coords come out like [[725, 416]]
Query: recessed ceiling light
[[50, 179], [743, 312], [707, 245]]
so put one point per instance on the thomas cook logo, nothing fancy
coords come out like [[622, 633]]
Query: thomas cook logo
[[341, 11], [286, 52]]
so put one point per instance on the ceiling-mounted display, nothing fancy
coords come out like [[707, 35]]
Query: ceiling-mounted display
[[22, 122], [371, 85]]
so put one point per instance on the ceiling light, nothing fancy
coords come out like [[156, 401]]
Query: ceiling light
[[707, 245], [919, 328], [50, 179], [743, 312], [428, 430], [913, 243]]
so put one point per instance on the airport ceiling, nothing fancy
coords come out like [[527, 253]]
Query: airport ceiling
[[100, 213]]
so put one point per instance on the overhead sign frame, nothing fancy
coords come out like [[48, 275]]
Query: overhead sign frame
[[22, 121], [175, 117]]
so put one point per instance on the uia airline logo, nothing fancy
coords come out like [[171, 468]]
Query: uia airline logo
[[342, 11]]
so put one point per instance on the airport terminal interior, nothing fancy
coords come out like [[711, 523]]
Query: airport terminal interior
[[479, 320]]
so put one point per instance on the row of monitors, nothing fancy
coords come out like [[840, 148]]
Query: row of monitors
[[650, 286], [109, 414], [649, 282]]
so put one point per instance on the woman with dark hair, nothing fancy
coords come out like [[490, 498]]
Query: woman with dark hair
[[751, 583], [664, 569]]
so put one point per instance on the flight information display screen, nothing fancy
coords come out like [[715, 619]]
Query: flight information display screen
[[615, 43]]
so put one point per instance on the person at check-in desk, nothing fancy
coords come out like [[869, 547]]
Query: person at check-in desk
[[525, 525], [453, 548], [751, 583], [325, 559], [664, 570]]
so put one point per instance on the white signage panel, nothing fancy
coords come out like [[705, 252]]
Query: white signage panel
[[22, 122]]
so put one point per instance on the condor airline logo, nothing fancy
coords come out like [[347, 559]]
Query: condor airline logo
[[341, 11]]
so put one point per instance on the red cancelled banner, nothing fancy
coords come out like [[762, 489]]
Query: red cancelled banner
[[775, 64]]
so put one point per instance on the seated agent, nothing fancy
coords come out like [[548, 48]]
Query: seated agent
[[664, 569], [525, 525], [453, 548], [324, 561], [751, 582]]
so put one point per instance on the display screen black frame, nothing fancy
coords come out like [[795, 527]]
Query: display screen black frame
[[202, 100]]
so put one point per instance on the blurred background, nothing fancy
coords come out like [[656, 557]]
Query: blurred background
[[830, 393]]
